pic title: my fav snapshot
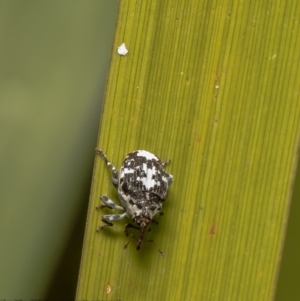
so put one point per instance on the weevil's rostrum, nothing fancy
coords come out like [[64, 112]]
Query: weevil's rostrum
[[142, 185]]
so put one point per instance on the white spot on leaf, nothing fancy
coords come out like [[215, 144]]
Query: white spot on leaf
[[122, 50]]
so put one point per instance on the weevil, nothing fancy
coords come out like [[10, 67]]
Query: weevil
[[142, 185]]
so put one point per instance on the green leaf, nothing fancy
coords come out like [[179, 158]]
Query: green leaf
[[213, 86]]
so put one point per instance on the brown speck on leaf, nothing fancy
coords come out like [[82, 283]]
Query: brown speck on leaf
[[108, 289], [213, 229], [197, 139]]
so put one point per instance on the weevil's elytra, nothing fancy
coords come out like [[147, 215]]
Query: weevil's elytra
[[142, 185]]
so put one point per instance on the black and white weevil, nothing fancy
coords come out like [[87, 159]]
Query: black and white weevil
[[142, 185]]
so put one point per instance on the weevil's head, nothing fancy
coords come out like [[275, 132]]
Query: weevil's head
[[143, 222]]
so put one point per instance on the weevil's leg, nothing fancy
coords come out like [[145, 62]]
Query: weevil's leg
[[132, 236], [165, 163], [108, 220], [130, 226], [114, 177], [108, 203], [169, 178]]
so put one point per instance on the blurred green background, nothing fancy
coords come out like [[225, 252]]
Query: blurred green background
[[54, 59]]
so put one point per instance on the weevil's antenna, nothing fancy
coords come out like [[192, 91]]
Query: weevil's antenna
[[151, 240], [126, 245], [160, 252]]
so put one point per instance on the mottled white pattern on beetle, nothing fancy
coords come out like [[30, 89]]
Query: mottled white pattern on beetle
[[127, 170], [142, 185], [147, 155], [148, 181]]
